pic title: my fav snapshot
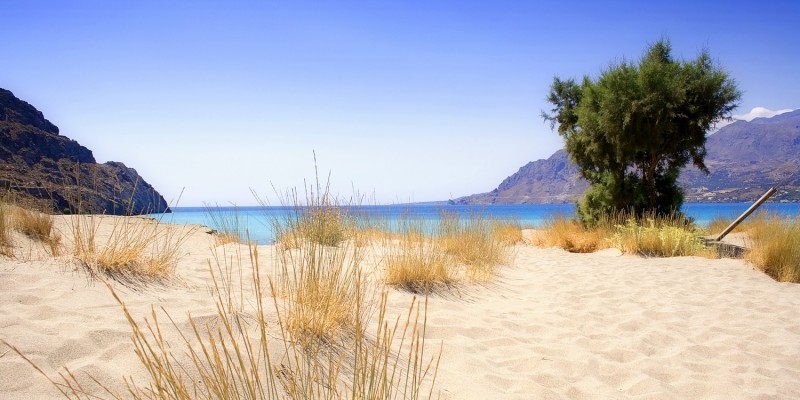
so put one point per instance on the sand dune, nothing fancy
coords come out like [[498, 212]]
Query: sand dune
[[552, 325]]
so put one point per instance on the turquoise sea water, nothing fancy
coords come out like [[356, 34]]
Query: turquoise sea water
[[258, 220]]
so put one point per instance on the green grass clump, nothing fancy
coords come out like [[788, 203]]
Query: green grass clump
[[775, 246], [661, 236]]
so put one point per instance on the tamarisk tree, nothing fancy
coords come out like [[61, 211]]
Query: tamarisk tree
[[633, 129]]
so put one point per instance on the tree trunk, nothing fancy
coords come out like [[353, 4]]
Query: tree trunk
[[650, 181]]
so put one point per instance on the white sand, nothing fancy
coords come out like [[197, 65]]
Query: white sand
[[552, 325]]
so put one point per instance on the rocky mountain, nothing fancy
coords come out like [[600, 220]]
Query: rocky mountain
[[38, 164], [744, 159]]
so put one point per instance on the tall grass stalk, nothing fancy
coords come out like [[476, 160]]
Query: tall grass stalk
[[320, 219], [135, 249], [414, 261], [649, 235], [227, 226], [775, 246], [247, 354], [661, 236], [38, 226], [319, 274], [472, 242], [572, 236], [6, 243], [718, 224]]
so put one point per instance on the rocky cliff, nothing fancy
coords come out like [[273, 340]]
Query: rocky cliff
[[744, 159], [36, 162]]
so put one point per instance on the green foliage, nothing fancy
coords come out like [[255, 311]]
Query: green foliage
[[633, 128]]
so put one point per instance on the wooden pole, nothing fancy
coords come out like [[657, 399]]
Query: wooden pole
[[749, 211]]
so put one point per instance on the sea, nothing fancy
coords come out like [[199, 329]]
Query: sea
[[259, 221]]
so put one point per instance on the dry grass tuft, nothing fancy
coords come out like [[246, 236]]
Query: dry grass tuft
[[37, 226], [418, 265], [507, 231], [424, 256], [775, 247], [135, 249], [472, 242], [322, 221], [570, 235], [319, 270], [320, 287]]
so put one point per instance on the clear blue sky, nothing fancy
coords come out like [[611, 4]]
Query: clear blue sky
[[406, 100]]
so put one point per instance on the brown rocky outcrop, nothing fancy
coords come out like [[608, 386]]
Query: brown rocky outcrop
[[37, 163]]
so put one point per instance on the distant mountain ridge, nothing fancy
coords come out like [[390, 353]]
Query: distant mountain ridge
[[744, 159], [39, 164]]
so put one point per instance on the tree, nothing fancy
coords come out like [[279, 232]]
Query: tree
[[635, 127]]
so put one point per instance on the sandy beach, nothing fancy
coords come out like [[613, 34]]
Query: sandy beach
[[550, 325]]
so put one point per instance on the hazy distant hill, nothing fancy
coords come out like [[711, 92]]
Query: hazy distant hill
[[39, 164], [744, 158]]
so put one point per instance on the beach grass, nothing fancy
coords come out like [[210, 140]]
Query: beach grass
[[6, 242], [37, 226], [227, 226], [415, 262], [425, 256], [649, 235], [507, 231], [718, 224], [473, 242], [572, 236], [135, 249], [319, 286], [661, 236], [320, 220], [319, 275], [247, 354], [775, 246]]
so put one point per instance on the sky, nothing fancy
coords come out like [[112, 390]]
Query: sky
[[398, 101]]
